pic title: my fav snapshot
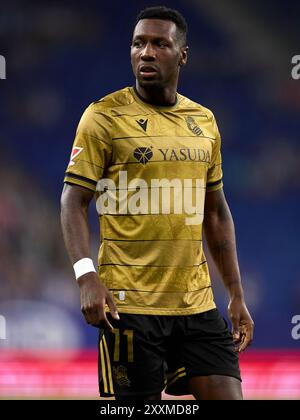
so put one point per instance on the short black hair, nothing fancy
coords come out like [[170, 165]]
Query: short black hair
[[165, 13]]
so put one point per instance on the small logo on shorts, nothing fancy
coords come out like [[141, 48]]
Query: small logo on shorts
[[121, 376]]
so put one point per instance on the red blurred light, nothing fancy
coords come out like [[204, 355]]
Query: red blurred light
[[266, 375]]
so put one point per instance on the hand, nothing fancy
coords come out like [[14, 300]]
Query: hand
[[93, 296], [242, 323]]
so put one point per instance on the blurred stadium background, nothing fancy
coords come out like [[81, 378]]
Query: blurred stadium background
[[63, 55]]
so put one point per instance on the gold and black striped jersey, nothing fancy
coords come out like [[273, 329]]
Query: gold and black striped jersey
[[150, 168]]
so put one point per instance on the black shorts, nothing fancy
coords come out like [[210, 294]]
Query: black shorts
[[146, 354]]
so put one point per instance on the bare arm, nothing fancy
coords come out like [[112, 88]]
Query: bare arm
[[220, 237], [75, 201]]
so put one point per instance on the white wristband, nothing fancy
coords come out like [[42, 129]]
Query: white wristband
[[83, 266]]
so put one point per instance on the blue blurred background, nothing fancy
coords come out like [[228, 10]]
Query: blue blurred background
[[63, 55]]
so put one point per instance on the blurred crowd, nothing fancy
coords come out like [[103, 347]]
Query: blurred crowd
[[34, 264]]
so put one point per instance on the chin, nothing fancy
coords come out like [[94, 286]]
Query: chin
[[150, 83]]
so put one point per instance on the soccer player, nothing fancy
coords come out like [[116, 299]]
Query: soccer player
[[151, 159]]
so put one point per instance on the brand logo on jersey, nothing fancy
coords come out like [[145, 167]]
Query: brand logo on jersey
[[193, 127], [142, 123], [75, 152], [121, 375], [143, 154]]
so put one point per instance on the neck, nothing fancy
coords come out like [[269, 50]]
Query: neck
[[159, 96]]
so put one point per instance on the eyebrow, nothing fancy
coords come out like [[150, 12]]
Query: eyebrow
[[153, 38]]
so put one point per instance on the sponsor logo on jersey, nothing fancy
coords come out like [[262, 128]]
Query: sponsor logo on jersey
[[142, 123], [143, 154], [197, 155], [75, 152], [193, 127]]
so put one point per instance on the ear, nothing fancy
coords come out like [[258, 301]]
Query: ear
[[183, 56]]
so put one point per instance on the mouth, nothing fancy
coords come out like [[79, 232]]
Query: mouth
[[147, 71]]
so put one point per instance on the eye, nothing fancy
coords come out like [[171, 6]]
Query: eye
[[137, 44], [162, 44]]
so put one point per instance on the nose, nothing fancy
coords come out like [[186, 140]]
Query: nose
[[148, 52]]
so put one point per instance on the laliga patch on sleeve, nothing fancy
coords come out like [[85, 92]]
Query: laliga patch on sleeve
[[75, 152]]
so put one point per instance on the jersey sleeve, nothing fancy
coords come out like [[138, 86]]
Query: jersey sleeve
[[215, 174], [92, 149]]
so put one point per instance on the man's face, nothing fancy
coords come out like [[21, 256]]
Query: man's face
[[156, 53]]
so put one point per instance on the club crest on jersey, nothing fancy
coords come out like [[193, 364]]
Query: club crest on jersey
[[121, 376], [143, 154], [75, 152], [193, 127]]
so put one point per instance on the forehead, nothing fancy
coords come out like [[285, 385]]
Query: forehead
[[155, 28]]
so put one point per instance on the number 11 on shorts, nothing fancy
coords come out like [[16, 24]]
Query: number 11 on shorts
[[118, 337]]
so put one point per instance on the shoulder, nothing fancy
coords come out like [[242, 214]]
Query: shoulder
[[188, 105], [100, 112], [112, 101]]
